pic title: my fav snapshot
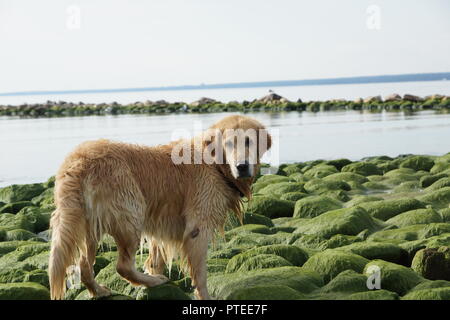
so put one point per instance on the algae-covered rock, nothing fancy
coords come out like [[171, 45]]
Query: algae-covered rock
[[413, 232], [348, 177], [246, 228], [320, 185], [338, 163], [290, 253], [374, 295], [361, 199], [331, 262], [266, 292], [15, 206], [339, 240], [20, 192], [266, 180], [162, 292], [445, 214], [347, 221], [253, 218], [418, 216], [418, 163], [387, 209], [407, 186], [293, 196], [313, 206], [19, 234], [431, 284], [431, 264], [263, 261], [297, 278], [45, 199], [378, 250], [394, 277], [428, 180], [23, 291], [346, 281], [439, 184], [362, 168], [271, 207], [439, 198], [320, 171], [277, 189], [429, 294]]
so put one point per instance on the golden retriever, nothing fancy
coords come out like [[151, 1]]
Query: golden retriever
[[136, 192]]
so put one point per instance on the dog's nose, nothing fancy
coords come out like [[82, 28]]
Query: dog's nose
[[242, 166]]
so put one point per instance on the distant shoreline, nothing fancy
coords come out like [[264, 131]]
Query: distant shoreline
[[438, 76]]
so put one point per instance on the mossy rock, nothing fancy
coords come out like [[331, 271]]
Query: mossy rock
[[375, 185], [428, 180], [347, 221], [387, 209], [418, 216], [439, 198], [418, 163], [413, 232], [293, 196], [313, 206], [378, 250], [84, 295], [297, 278], [46, 196], [277, 189], [431, 284], [429, 294], [23, 291], [439, 184], [267, 292], [19, 234], [10, 246], [407, 186], [20, 192], [375, 178], [246, 228], [292, 168], [109, 277], [254, 218], [338, 241], [331, 262], [440, 166], [374, 295], [445, 214], [263, 261], [15, 206], [320, 171], [348, 177], [320, 185], [226, 253], [338, 163], [39, 219], [362, 168], [9, 221], [361, 199], [346, 281], [217, 265], [431, 264], [271, 207], [162, 292], [37, 276], [294, 255], [395, 277], [266, 180]]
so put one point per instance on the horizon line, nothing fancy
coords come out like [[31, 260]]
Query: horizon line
[[408, 77]]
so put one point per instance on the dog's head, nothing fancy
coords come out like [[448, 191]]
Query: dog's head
[[238, 142]]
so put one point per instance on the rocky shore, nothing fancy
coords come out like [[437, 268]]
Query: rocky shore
[[314, 230], [271, 102]]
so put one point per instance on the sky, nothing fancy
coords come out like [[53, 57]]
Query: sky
[[94, 44]]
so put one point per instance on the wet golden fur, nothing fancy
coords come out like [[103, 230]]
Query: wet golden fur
[[132, 192]]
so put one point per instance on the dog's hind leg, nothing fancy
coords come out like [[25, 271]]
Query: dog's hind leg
[[87, 271], [195, 249], [155, 262], [127, 245]]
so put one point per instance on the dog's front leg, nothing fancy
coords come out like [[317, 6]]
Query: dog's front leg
[[195, 249]]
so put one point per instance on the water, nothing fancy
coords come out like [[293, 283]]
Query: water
[[32, 149], [306, 93]]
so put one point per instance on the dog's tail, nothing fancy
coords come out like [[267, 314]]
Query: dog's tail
[[68, 224]]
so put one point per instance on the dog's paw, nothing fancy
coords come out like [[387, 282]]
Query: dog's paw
[[102, 291], [161, 278]]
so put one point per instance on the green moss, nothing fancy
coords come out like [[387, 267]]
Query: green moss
[[374, 295], [428, 180], [361, 199], [277, 189], [338, 163], [395, 277], [20, 192], [293, 196], [440, 166], [331, 262], [315, 205], [217, 265], [348, 221], [408, 186], [413, 232], [375, 185], [445, 214], [292, 168], [418, 163], [338, 240], [271, 207], [263, 261], [429, 294], [431, 264], [39, 219], [362, 168], [23, 291], [320, 171], [109, 277], [266, 180], [348, 177], [297, 278], [429, 284], [226, 253], [246, 228], [266, 292], [162, 292], [418, 216], [439, 184], [253, 218], [37, 276], [15, 206], [319, 185], [439, 198], [19, 234], [346, 281], [378, 250], [387, 209], [290, 253]]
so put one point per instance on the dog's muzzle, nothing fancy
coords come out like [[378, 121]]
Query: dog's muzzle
[[243, 169]]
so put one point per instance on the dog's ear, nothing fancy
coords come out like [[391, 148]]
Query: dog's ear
[[264, 141]]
